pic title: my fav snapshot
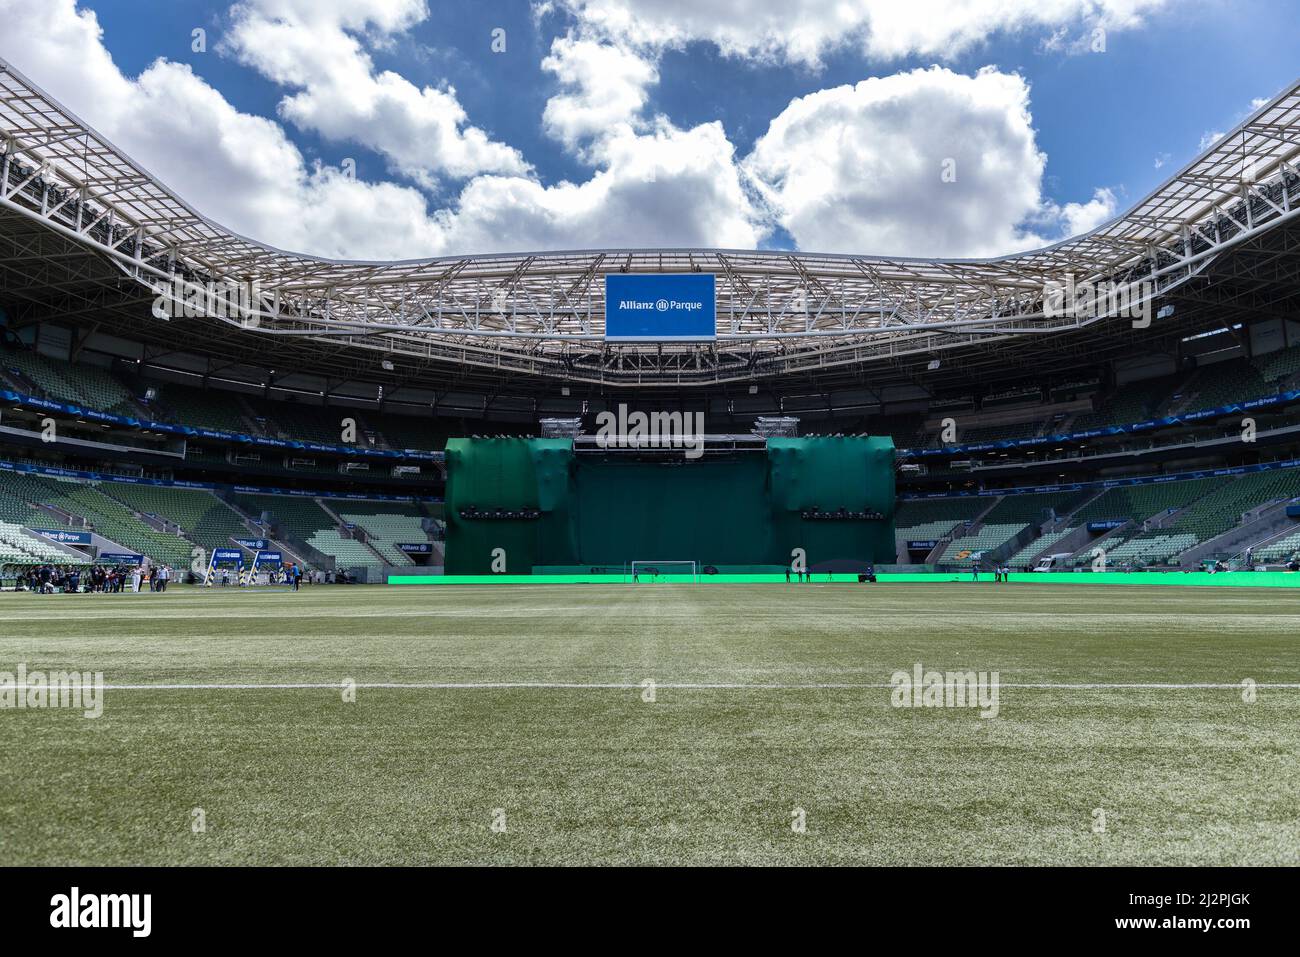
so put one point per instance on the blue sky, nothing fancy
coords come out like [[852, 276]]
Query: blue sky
[[1111, 125]]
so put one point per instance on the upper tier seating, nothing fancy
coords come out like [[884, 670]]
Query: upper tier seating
[[1276, 367], [305, 423], [1222, 384], [200, 408], [80, 384], [1134, 402]]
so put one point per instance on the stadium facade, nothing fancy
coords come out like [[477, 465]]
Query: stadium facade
[[1133, 391]]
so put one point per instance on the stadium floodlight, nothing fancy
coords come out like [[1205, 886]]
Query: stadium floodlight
[[776, 426], [561, 428]]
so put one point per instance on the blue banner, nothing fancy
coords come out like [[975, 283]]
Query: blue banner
[[65, 538], [416, 548], [252, 544], [660, 307], [119, 558]]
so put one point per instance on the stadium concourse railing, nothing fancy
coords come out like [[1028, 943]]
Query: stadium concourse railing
[[56, 472], [1276, 400], [1104, 483], [171, 428]]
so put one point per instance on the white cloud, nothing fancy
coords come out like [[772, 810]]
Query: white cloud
[[1208, 139], [863, 167], [669, 187], [803, 30], [1074, 219], [313, 46], [239, 169], [855, 168], [663, 187], [604, 89]]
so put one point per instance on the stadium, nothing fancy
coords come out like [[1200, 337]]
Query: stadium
[[615, 555]]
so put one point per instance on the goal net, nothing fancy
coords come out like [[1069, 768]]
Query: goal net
[[643, 571]]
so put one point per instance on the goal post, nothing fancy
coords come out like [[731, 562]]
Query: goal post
[[267, 568], [647, 571]]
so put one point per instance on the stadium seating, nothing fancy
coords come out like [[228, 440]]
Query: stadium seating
[[18, 495], [1134, 402], [1150, 548], [200, 408], [348, 552], [204, 518], [989, 537], [384, 531], [1006, 520], [925, 519], [1140, 502], [113, 520], [19, 547], [80, 384], [303, 423], [995, 433], [1277, 367], [1210, 515], [1038, 546], [300, 517], [1279, 550], [1223, 384]]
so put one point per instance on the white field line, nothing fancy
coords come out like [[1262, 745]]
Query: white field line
[[680, 686]]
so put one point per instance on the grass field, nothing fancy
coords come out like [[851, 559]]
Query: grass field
[[586, 771]]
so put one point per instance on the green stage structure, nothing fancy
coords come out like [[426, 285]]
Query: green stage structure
[[525, 505]]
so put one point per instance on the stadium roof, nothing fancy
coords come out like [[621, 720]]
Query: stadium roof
[[542, 314]]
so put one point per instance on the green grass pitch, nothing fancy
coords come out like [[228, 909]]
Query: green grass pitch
[[580, 769]]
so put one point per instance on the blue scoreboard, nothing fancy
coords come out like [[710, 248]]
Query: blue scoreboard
[[660, 307]]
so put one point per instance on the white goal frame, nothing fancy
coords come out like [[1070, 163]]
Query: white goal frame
[[658, 566]]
